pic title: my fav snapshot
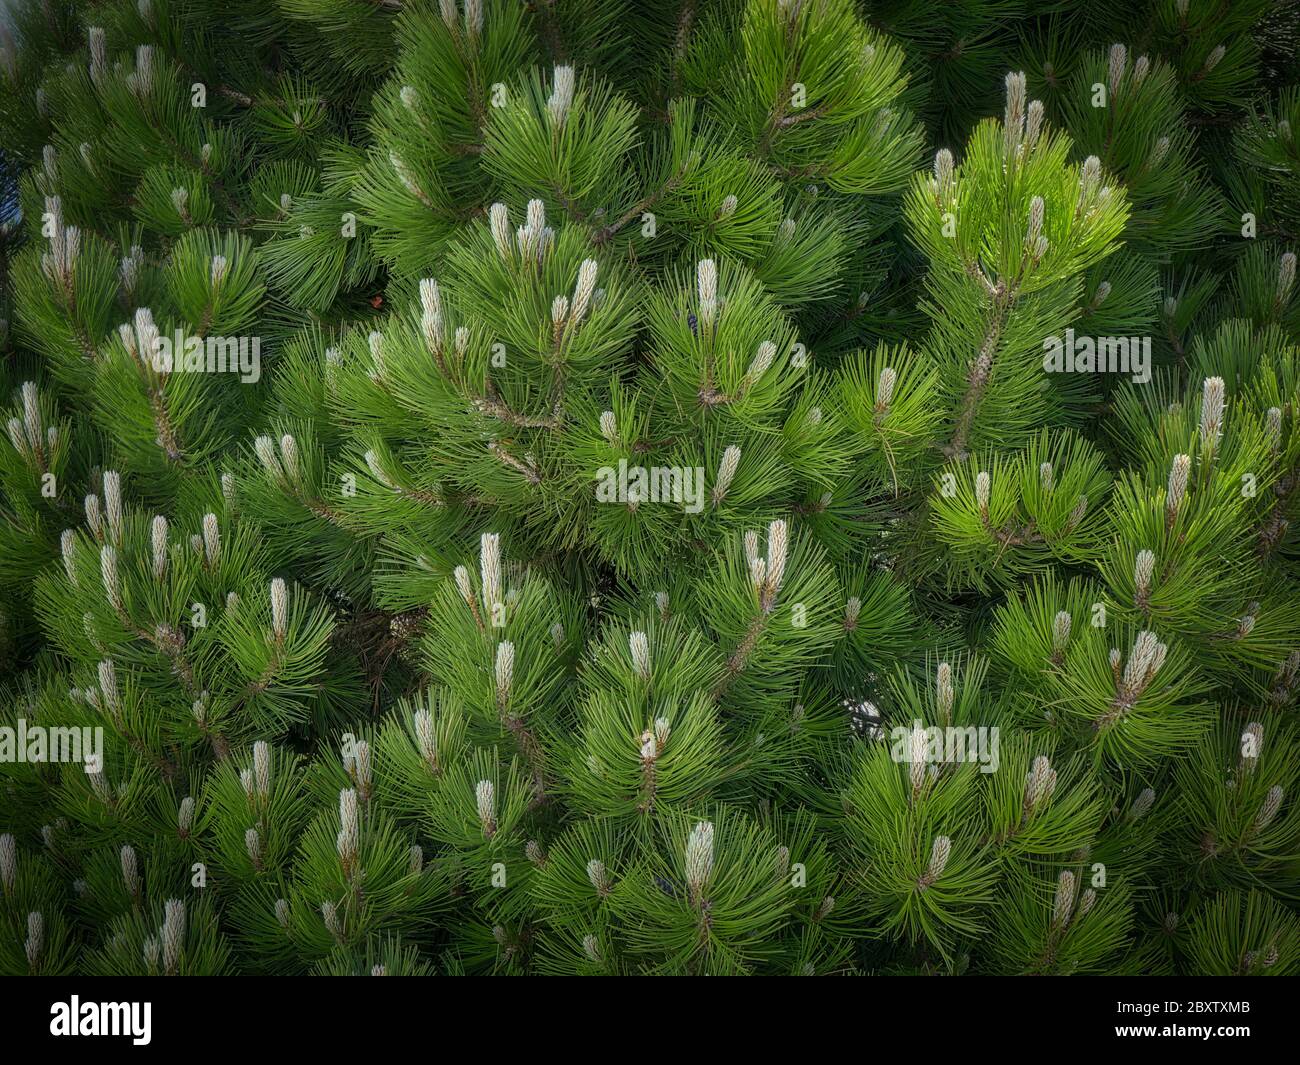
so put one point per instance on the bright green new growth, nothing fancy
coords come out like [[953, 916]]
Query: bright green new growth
[[649, 533]]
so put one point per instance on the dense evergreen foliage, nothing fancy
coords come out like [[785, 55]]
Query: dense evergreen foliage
[[612, 487]]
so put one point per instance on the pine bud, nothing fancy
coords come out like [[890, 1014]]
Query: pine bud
[[405, 175], [728, 208], [426, 737], [536, 216], [67, 548], [31, 414], [1064, 901], [220, 267], [130, 870], [1212, 404], [152, 951], [1117, 64], [499, 219], [185, 817], [1142, 804], [505, 669], [591, 947], [490, 568], [410, 99], [113, 504], [362, 768], [264, 447], [1040, 782], [486, 804], [1061, 630], [1141, 659], [726, 471], [1178, 475], [1035, 227], [762, 360], [262, 768], [1268, 808], [173, 934], [559, 310], [99, 783], [108, 685], [98, 52], [1143, 568], [1158, 153], [777, 546], [279, 608], [982, 490], [253, 845], [917, 742], [349, 837], [461, 575], [561, 98], [140, 82], [1216, 54], [16, 436], [596, 874], [1273, 429], [1014, 117], [108, 571], [533, 852], [640, 646], [8, 862], [448, 10], [706, 279], [940, 851], [851, 611], [158, 534], [1089, 179], [584, 289], [282, 912], [289, 456], [785, 231], [609, 426], [93, 516], [1285, 277], [415, 860], [699, 857], [944, 691], [1086, 901], [1033, 123], [885, 390], [35, 941], [332, 921], [211, 539]]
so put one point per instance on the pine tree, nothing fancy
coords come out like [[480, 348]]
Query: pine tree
[[583, 487]]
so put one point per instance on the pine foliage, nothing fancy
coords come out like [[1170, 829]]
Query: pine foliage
[[645, 472]]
